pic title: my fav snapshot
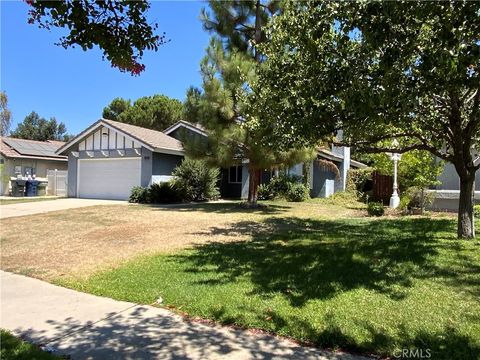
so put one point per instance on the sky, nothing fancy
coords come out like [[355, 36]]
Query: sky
[[74, 86]]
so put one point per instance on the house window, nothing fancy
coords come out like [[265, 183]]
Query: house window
[[235, 174]]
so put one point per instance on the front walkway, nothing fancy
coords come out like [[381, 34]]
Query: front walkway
[[90, 327], [38, 207]]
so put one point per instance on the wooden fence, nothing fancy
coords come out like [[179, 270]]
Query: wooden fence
[[382, 187]]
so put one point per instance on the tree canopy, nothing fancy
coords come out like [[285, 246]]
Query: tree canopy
[[224, 104], [34, 127], [380, 71], [155, 112], [5, 114], [119, 28]]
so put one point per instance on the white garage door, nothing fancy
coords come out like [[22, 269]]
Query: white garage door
[[108, 178]]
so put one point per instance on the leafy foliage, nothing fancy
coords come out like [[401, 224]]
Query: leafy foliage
[[416, 198], [155, 112], [119, 28], [297, 192], [476, 209], [416, 168], [196, 181], [380, 71], [34, 127], [5, 114], [357, 179], [289, 187], [165, 193], [224, 104], [139, 194], [375, 209]]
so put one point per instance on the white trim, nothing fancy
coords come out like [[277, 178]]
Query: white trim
[[169, 151], [186, 125], [87, 132]]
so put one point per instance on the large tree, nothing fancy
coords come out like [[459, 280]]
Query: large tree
[[155, 112], [380, 71], [119, 28], [34, 127], [224, 104], [5, 114]]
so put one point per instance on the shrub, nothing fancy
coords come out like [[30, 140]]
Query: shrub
[[375, 209], [476, 210], [139, 194], [357, 179], [279, 185], [347, 199], [289, 187], [265, 192], [416, 198], [196, 181], [297, 192], [165, 192]]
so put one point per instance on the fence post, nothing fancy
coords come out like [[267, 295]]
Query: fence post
[[55, 182]]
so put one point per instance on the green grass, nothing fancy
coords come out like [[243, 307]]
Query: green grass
[[13, 348], [363, 285], [18, 200]]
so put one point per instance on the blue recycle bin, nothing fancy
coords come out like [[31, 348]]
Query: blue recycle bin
[[31, 187]]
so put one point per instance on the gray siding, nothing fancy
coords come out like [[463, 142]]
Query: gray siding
[[323, 182], [163, 164], [72, 176], [147, 167], [450, 181]]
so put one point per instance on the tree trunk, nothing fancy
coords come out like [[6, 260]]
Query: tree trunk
[[253, 182], [466, 224]]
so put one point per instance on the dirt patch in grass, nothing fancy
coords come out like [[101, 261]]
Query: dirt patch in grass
[[77, 242]]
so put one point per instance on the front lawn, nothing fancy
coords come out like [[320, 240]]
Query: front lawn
[[360, 284], [13, 348]]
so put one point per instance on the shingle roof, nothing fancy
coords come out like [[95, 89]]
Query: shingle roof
[[153, 138], [193, 126], [19, 148]]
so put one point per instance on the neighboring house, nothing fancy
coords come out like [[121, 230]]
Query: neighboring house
[[447, 193], [109, 158], [23, 157], [234, 180]]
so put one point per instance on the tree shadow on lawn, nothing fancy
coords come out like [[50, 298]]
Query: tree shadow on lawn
[[315, 259], [307, 259], [222, 208]]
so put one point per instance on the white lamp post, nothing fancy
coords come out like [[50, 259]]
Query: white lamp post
[[395, 199]]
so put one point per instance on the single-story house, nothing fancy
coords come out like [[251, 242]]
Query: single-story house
[[28, 157], [109, 158], [234, 180], [447, 193]]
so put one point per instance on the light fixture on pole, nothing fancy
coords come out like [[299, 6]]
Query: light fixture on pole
[[395, 157]]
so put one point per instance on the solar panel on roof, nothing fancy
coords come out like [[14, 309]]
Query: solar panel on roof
[[31, 148]]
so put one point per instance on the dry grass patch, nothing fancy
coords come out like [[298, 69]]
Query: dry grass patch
[[77, 242]]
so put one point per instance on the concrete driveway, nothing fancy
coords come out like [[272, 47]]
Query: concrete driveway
[[38, 207], [91, 327]]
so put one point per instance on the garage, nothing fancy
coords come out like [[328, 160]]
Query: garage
[[108, 178]]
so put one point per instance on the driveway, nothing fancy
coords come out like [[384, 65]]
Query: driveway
[[38, 207], [90, 327]]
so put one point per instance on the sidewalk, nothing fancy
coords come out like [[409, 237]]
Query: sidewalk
[[90, 327], [40, 207]]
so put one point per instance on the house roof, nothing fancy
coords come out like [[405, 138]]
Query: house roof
[[329, 155], [31, 149], [188, 125], [151, 139]]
